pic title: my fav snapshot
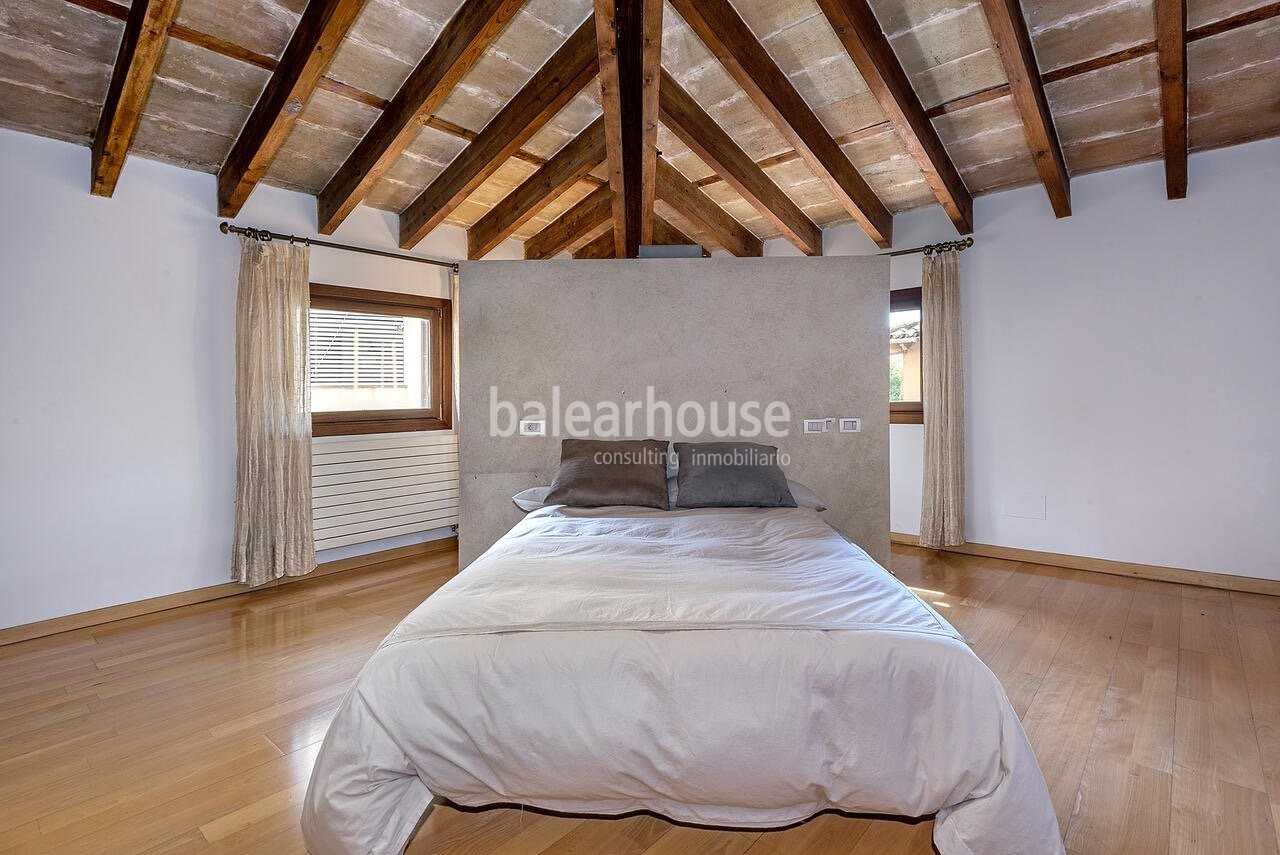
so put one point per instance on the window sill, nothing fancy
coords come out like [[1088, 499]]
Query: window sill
[[356, 423], [906, 414]]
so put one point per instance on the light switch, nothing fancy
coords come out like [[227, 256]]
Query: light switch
[[533, 427], [816, 425], [850, 425]]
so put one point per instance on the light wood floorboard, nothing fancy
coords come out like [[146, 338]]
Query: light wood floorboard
[[1154, 709]]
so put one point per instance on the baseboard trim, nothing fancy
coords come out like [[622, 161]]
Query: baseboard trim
[[1156, 573], [82, 620]]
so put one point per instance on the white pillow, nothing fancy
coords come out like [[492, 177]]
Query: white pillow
[[805, 498], [532, 498], [536, 497]]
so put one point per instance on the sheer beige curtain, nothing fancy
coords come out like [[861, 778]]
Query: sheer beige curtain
[[942, 508], [273, 536]]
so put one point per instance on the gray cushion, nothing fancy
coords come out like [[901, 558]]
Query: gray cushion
[[730, 475], [536, 497], [596, 473]]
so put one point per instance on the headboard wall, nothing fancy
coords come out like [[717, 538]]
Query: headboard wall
[[705, 336]]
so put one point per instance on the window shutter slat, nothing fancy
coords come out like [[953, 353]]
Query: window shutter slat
[[356, 349]]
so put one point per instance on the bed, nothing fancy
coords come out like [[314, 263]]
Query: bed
[[743, 667]]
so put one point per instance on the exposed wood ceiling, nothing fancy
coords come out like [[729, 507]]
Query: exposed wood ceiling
[[512, 118]]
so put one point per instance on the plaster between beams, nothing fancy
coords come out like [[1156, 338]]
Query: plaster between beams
[[942, 16], [1224, 75], [1112, 135], [1069, 21], [785, 27]]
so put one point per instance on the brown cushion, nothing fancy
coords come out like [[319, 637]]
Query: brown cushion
[[730, 475], [595, 473]]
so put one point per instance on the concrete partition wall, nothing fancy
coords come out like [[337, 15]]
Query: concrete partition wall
[[811, 333]]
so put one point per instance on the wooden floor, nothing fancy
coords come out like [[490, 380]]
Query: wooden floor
[[1154, 710]]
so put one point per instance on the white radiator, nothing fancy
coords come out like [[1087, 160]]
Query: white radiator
[[382, 485]]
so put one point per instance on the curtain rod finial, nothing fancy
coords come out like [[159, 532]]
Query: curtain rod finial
[[224, 227]]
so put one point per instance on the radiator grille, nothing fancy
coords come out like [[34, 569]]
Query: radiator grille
[[367, 488]]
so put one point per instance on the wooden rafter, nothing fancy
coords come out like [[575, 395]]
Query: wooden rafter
[[554, 85], [629, 40], [455, 52], [1246, 18], [222, 47], [601, 246], [1249, 17], [679, 192], [685, 118], [573, 224], [859, 31], [665, 234], [955, 105], [323, 26], [1171, 42], [146, 33], [731, 41], [1013, 43], [568, 166]]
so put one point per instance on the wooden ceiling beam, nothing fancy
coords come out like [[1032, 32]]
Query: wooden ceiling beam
[[1013, 43], [1171, 42], [112, 9], [789, 155], [665, 234], [457, 49], [859, 31], [601, 246], [567, 167], [685, 118], [731, 41], [973, 99], [679, 192], [1247, 18], [559, 234], [323, 26], [629, 40], [552, 87], [146, 33]]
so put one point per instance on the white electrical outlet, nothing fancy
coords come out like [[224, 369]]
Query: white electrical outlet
[[850, 425], [533, 427], [816, 425]]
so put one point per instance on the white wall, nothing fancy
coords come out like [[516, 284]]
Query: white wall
[[117, 319], [1123, 366]]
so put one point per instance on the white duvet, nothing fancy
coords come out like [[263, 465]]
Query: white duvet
[[736, 667]]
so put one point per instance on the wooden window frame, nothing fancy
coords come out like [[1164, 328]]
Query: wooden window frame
[[908, 412], [435, 309]]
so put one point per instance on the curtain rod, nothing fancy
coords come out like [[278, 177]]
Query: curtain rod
[[266, 235], [957, 245]]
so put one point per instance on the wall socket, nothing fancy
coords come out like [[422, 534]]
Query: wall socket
[[533, 427], [851, 425]]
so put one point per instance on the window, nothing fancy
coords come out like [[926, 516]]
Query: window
[[906, 405], [379, 362]]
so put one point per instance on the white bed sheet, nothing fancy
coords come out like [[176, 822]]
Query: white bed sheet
[[739, 667]]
